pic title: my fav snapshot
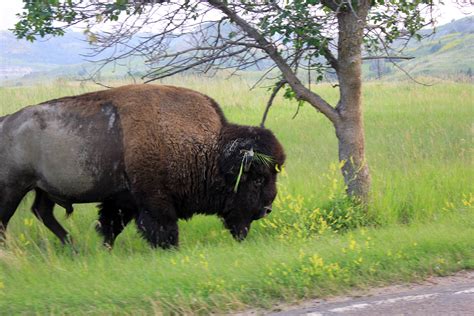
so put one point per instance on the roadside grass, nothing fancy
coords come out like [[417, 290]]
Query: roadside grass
[[223, 276], [315, 243]]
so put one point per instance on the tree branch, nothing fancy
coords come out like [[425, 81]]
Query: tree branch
[[410, 76], [330, 57], [300, 90], [331, 4], [189, 66], [386, 57], [277, 88]]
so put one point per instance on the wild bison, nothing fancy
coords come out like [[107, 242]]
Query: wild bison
[[156, 153]]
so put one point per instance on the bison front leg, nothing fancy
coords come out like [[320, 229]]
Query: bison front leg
[[112, 220], [159, 226]]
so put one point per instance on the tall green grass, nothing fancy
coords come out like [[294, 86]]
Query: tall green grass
[[421, 220]]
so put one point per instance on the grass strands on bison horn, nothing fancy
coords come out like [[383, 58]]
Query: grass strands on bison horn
[[260, 158], [263, 159]]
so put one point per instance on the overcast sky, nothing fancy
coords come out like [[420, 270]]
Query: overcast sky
[[445, 14]]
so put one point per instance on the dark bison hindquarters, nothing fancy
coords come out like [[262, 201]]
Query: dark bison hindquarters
[[170, 150]]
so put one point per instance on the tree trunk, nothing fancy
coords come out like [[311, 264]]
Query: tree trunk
[[355, 169], [350, 126]]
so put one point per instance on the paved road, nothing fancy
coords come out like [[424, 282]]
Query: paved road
[[437, 296]]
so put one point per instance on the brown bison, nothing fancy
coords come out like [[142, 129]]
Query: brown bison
[[155, 154]]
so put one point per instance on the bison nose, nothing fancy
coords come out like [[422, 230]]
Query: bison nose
[[267, 209]]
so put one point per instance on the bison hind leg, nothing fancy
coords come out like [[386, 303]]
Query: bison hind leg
[[43, 208], [112, 220], [10, 197]]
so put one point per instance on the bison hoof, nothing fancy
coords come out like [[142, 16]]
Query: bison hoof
[[168, 238], [239, 234]]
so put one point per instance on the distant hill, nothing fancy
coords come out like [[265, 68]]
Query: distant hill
[[64, 56], [446, 53], [19, 57]]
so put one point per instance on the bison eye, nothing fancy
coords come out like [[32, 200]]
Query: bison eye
[[258, 182]]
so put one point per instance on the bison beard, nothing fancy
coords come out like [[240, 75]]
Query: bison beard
[[153, 154]]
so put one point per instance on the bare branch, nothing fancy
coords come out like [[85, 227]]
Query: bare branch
[[277, 88], [410, 76], [387, 57], [188, 66]]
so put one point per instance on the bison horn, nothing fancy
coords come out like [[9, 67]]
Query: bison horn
[[248, 158]]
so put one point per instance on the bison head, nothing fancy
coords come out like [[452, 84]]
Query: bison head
[[250, 161]]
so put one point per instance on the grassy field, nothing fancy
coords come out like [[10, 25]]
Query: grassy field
[[421, 221]]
